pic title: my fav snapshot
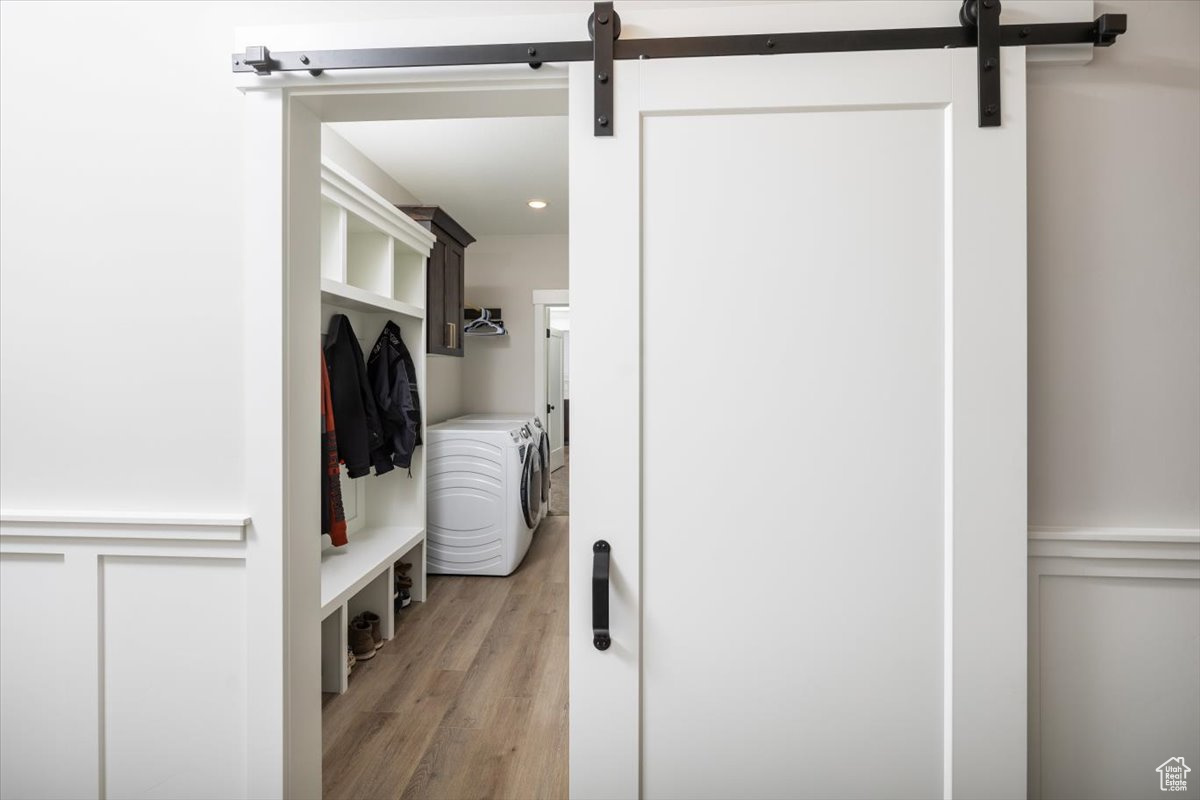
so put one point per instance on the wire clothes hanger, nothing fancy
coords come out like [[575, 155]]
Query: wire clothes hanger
[[485, 325]]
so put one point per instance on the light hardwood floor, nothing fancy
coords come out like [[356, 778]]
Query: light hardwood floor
[[560, 486], [469, 701]]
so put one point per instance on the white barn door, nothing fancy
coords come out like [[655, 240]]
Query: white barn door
[[798, 331]]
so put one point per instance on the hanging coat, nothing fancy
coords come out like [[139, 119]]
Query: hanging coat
[[333, 513], [358, 429], [393, 377]]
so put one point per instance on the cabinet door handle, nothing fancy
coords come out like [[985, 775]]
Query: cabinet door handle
[[453, 335], [600, 636]]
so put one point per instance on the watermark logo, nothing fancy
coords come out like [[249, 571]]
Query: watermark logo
[[1172, 775]]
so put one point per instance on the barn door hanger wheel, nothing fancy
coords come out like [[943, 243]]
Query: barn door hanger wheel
[[968, 14]]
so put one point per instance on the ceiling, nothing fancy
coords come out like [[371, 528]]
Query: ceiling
[[483, 172]]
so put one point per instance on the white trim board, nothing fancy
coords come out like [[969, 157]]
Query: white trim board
[[1158, 544], [124, 525], [552, 297], [1063, 534]]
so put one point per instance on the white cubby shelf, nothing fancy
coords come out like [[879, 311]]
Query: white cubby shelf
[[373, 261], [345, 296], [361, 577], [346, 570], [369, 244]]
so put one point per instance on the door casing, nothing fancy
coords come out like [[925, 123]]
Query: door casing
[[282, 294]]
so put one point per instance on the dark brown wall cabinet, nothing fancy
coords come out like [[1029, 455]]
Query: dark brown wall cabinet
[[444, 279]]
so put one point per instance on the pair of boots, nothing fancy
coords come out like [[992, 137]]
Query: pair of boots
[[365, 636], [403, 583]]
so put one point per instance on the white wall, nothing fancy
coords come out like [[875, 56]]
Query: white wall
[[1114, 279], [444, 376], [122, 209], [335, 148], [120, 292], [124, 639], [1114, 409], [503, 271]]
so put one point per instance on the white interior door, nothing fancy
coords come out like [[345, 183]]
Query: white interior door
[[798, 307], [554, 395]]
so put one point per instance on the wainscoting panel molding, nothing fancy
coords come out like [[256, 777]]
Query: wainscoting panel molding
[[1114, 659], [174, 677], [48, 679], [133, 525], [112, 620]]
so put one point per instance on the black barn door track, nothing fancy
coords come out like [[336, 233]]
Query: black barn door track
[[979, 27]]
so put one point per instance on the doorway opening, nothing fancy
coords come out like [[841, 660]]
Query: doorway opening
[[552, 387], [558, 402], [443, 595]]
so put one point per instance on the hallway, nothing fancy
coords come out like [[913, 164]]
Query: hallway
[[560, 487], [470, 699]]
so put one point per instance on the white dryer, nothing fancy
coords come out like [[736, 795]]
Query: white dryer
[[540, 435], [494, 416], [484, 495]]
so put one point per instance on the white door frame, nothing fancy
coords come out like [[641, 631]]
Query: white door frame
[[282, 127], [279, 197], [543, 299]]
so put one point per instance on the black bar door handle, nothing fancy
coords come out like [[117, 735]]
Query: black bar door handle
[[600, 553]]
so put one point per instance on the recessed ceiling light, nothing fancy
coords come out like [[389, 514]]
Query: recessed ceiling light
[[538, 204]]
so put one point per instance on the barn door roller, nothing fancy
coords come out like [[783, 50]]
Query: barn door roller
[[979, 28]]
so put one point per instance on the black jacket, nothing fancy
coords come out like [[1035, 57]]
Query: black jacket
[[356, 420], [393, 379]]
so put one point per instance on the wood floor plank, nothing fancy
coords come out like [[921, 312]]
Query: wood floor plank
[[403, 668], [349, 758], [409, 734], [501, 653], [470, 699], [484, 606], [493, 762], [540, 770], [444, 764]]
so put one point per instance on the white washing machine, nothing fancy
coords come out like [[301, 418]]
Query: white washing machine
[[538, 432], [484, 481]]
